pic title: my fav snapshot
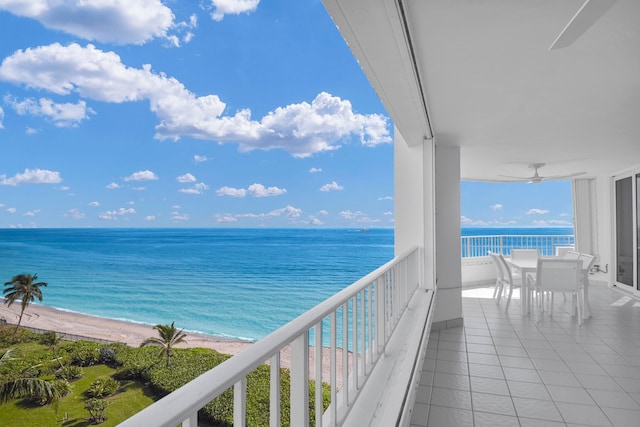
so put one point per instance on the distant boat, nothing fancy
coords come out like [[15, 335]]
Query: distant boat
[[364, 229]]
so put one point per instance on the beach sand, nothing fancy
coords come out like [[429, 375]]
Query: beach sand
[[133, 334]]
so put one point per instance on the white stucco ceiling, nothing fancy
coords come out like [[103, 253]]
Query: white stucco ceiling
[[492, 87]]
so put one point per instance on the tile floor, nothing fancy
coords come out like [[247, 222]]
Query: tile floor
[[503, 369]]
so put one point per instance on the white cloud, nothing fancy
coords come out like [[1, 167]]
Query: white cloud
[[11, 210], [315, 170], [176, 216], [31, 131], [187, 177], [496, 207], [537, 211], [150, 218], [550, 222], [388, 213], [315, 221], [145, 175], [232, 7], [31, 213], [62, 115], [1, 117], [385, 198], [333, 186], [199, 159], [230, 191], [198, 188], [32, 176], [225, 218], [259, 190], [323, 212], [113, 185], [348, 214], [470, 222], [74, 214], [113, 215], [301, 129], [109, 21], [94, 204]]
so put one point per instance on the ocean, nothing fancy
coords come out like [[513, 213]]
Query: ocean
[[234, 283]]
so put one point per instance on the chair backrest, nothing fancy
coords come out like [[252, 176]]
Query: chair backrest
[[587, 261], [562, 250], [506, 269], [559, 274], [525, 253], [498, 265], [571, 255]]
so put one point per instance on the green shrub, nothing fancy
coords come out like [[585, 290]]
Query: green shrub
[[23, 335], [83, 353], [39, 398], [69, 372], [97, 410], [103, 387]]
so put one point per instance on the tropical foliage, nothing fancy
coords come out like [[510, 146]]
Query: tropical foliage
[[26, 386], [23, 287], [169, 336], [142, 378]]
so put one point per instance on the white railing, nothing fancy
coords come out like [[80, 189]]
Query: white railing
[[356, 323], [479, 246]]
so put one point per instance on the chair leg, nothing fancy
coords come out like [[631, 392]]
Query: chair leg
[[506, 307]]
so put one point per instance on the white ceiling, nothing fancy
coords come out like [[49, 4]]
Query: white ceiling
[[492, 87]]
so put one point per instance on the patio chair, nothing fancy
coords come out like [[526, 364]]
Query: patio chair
[[525, 253], [571, 255], [511, 279], [500, 280], [558, 275]]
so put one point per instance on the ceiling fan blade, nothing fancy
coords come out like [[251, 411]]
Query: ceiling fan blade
[[559, 177], [517, 178], [587, 15]]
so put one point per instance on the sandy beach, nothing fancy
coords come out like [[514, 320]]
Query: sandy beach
[[133, 334]]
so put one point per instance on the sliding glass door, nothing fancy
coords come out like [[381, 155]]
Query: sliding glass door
[[626, 225]]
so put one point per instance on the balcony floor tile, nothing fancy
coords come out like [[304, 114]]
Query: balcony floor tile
[[503, 369]]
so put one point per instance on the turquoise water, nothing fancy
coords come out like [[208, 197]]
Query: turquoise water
[[236, 283]]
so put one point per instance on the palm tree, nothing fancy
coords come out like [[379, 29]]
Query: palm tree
[[26, 386], [169, 337], [25, 288]]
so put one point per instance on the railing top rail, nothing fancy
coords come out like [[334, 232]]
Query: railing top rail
[[197, 393], [518, 235]]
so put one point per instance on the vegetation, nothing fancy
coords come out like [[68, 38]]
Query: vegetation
[[22, 385], [22, 287], [169, 337], [139, 379]]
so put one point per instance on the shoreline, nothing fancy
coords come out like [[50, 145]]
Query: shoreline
[[133, 334], [130, 333]]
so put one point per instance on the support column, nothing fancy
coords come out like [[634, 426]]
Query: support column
[[447, 238]]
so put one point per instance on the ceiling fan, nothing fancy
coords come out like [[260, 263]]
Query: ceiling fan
[[587, 15], [536, 178]]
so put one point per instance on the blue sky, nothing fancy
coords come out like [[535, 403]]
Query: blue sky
[[236, 113]]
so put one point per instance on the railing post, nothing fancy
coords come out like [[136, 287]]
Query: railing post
[[274, 391], [240, 403], [300, 380]]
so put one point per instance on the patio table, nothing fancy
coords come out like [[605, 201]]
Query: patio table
[[526, 266]]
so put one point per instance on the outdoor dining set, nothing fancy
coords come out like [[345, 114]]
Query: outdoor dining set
[[539, 278]]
